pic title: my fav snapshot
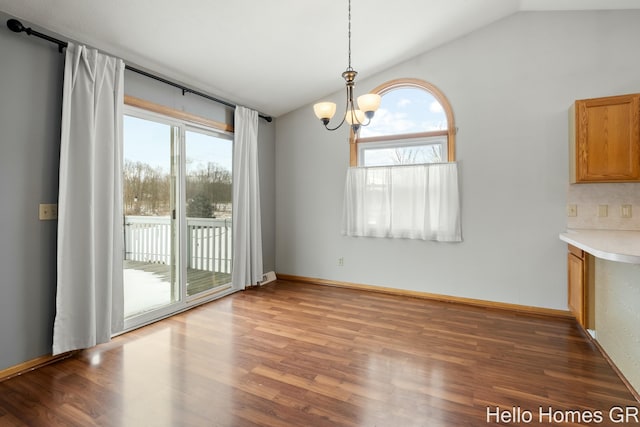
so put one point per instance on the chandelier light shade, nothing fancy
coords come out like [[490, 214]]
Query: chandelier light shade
[[355, 116], [369, 103], [325, 110]]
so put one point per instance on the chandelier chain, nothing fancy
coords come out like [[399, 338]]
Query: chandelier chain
[[359, 115], [349, 67]]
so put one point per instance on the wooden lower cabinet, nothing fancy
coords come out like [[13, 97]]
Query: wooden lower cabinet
[[577, 269], [581, 282]]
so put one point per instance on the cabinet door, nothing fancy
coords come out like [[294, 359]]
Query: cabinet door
[[576, 268], [608, 139]]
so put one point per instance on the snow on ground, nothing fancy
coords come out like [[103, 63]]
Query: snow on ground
[[144, 291]]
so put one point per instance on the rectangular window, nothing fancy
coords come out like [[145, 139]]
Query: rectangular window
[[403, 152]]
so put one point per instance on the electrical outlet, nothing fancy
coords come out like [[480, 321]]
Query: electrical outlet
[[572, 210], [340, 262], [625, 211], [48, 211]]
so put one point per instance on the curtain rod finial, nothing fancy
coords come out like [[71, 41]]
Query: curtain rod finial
[[15, 26]]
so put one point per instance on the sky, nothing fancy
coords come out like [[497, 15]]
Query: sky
[[406, 110], [150, 142]]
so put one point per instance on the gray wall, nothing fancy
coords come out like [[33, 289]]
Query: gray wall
[[30, 111], [510, 85], [30, 108]]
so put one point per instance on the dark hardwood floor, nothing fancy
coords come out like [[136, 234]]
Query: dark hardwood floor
[[290, 354]]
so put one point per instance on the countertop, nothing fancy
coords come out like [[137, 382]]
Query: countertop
[[612, 245]]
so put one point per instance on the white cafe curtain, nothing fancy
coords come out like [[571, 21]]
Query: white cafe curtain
[[413, 201], [247, 228], [89, 301]]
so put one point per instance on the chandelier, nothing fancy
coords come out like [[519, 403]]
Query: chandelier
[[356, 117]]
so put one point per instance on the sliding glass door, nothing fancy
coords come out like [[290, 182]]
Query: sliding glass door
[[177, 207], [208, 211], [150, 232]]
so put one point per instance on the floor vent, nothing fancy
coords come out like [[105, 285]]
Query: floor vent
[[267, 278]]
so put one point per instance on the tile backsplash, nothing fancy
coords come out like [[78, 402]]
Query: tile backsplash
[[587, 198]]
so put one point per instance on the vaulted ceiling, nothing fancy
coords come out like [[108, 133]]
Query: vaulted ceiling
[[275, 55]]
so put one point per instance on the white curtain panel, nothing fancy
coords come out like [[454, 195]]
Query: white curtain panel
[[413, 202], [247, 228], [89, 302]]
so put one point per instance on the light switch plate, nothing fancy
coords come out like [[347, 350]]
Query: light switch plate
[[603, 210], [48, 211], [625, 211], [572, 210]]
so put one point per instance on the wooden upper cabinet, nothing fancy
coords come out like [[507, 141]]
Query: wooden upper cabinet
[[605, 139]]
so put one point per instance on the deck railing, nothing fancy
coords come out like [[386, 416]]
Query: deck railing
[[148, 239]]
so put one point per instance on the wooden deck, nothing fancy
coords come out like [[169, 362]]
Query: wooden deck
[[197, 280]]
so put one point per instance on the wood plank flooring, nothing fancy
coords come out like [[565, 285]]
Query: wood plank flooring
[[291, 354]]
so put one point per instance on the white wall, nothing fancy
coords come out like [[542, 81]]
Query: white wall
[[510, 86]]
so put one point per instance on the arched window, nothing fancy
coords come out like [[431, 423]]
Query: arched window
[[413, 125]]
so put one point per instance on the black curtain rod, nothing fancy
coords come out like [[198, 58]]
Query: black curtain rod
[[17, 27]]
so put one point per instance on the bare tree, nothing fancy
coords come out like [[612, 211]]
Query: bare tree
[[209, 184], [419, 154], [147, 190]]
